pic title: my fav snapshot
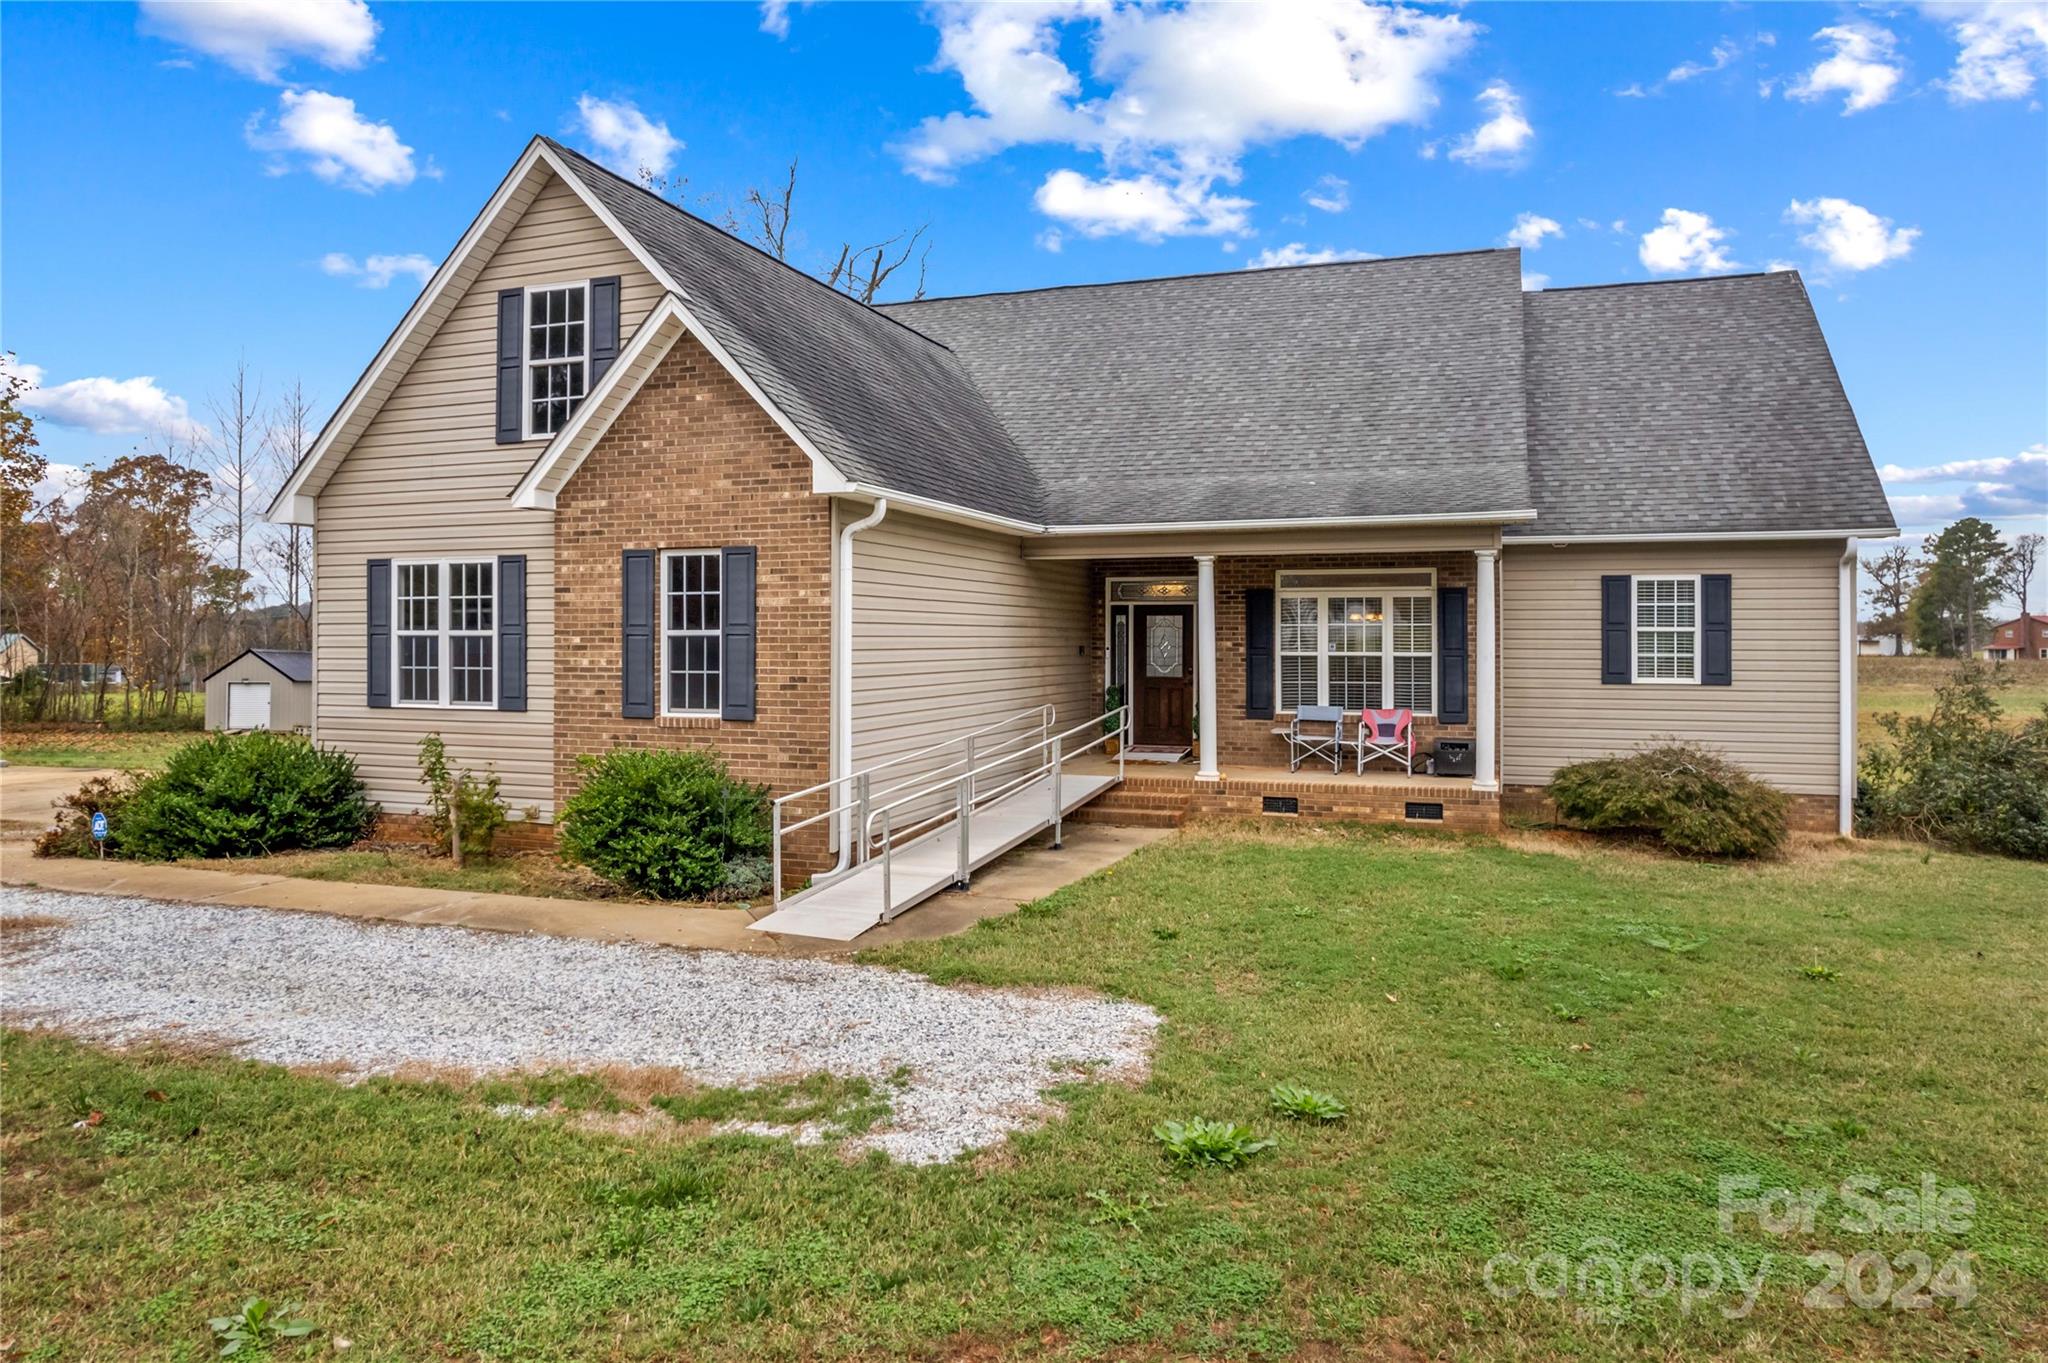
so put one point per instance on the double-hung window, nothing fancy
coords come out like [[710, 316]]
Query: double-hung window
[[444, 637], [691, 618], [557, 355], [1667, 629], [1356, 644]]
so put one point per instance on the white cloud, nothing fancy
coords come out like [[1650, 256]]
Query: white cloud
[[1332, 194], [1532, 281], [1864, 67], [624, 138], [1999, 488], [1725, 51], [60, 483], [378, 271], [1295, 253], [1530, 229], [339, 145], [1632, 90], [1501, 139], [260, 37], [1686, 242], [108, 406], [1779, 266], [2033, 460], [775, 17], [1143, 206], [1850, 236], [1051, 240], [1185, 91], [2003, 48]]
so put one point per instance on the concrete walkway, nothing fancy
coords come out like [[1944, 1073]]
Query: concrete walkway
[[28, 794]]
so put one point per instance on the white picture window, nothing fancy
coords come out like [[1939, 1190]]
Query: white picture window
[[444, 636], [557, 355], [1667, 629], [691, 618], [1358, 648]]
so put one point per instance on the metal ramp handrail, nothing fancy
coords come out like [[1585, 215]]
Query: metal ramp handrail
[[861, 783], [967, 796]]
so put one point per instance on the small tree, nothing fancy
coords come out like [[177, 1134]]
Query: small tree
[[1961, 583], [464, 814]]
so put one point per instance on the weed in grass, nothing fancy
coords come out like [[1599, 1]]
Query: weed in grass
[[556, 1089], [1565, 1012], [1817, 971], [835, 1105], [1115, 1211], [1305, 1104], [258, 1326], [1199, 1142]]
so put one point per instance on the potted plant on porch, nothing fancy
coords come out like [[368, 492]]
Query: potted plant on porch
[[1112, 723]]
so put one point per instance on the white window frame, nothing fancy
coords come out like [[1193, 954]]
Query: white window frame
[[1369, 583], [1635, 671], [661, 668], [526, 360], [444, 657]]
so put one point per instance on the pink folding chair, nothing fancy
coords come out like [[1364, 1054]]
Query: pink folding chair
[[1387, 733]]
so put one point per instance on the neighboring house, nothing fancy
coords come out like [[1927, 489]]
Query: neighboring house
[[1884, 646], [261, 688], [620, 479], [2025, 637], [18, 653]]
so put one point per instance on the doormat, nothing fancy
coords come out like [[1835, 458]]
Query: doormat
[[1156, 754]]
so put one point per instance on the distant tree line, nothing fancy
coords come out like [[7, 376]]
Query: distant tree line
[[152, 572], [1941, 596]]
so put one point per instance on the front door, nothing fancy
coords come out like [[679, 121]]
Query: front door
[[1162, 710]]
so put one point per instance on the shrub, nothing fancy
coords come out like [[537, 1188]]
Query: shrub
[[1690, 797], [480, 813], [1199, 1141], [239, 795], [1960, 776], [71, 834], [1306, 1104], [665, 823]]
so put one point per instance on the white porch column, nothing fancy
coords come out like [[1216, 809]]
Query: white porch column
[[1205, 663], [1483, 686]]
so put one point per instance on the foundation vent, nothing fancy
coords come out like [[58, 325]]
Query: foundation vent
[[1418, 809], [1282, 804]]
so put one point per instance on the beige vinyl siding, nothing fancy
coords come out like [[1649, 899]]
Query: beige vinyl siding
[[291, 703], [953, 629], [1780, 718], [427, 479]]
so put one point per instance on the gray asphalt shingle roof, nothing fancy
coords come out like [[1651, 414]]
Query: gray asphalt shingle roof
[[1418, 386], [294, 665], [884, 404], [1699, 405], [1376, 388]]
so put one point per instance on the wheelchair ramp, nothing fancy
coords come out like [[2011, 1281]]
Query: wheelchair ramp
[[846, 906]]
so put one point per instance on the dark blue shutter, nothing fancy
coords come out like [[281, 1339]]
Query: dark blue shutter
[[512, 632], [1258, 653], [604, 326], [1717, 660], [511, 332], [1453, 672], [636, 645], [377, 600], [736, 648], [1617, 665]]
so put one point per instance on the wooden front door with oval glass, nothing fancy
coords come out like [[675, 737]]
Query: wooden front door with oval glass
[[1162, 708]]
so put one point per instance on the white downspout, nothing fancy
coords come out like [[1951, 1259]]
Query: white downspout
[[842, 674], [1845, 795]]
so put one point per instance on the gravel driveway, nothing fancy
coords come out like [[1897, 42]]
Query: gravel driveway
[[371, 998]]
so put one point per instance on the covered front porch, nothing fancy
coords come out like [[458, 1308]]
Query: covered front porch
[[1213, 651]]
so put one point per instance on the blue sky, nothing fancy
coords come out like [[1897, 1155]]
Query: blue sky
[[183, 184]]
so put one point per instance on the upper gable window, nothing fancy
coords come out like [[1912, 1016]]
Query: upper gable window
[[557, 355]]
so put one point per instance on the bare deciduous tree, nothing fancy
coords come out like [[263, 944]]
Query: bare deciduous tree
[[237, 470], [2016, 573], [287, 556], [1894, 575]]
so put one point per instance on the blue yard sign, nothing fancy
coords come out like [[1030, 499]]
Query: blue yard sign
[[99, 827]]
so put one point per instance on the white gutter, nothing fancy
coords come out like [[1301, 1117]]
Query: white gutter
[[1845, 794], [842, 675], [1695, 536]]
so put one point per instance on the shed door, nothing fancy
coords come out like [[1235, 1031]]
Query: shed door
[[248, 705]]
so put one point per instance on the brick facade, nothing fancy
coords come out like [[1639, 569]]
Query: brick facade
[[695, 463], [1247, 740], [1808, 813]]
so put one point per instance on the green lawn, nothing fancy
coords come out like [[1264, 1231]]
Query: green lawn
[[1543, 1048], [74, 745], [1906, 686]]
